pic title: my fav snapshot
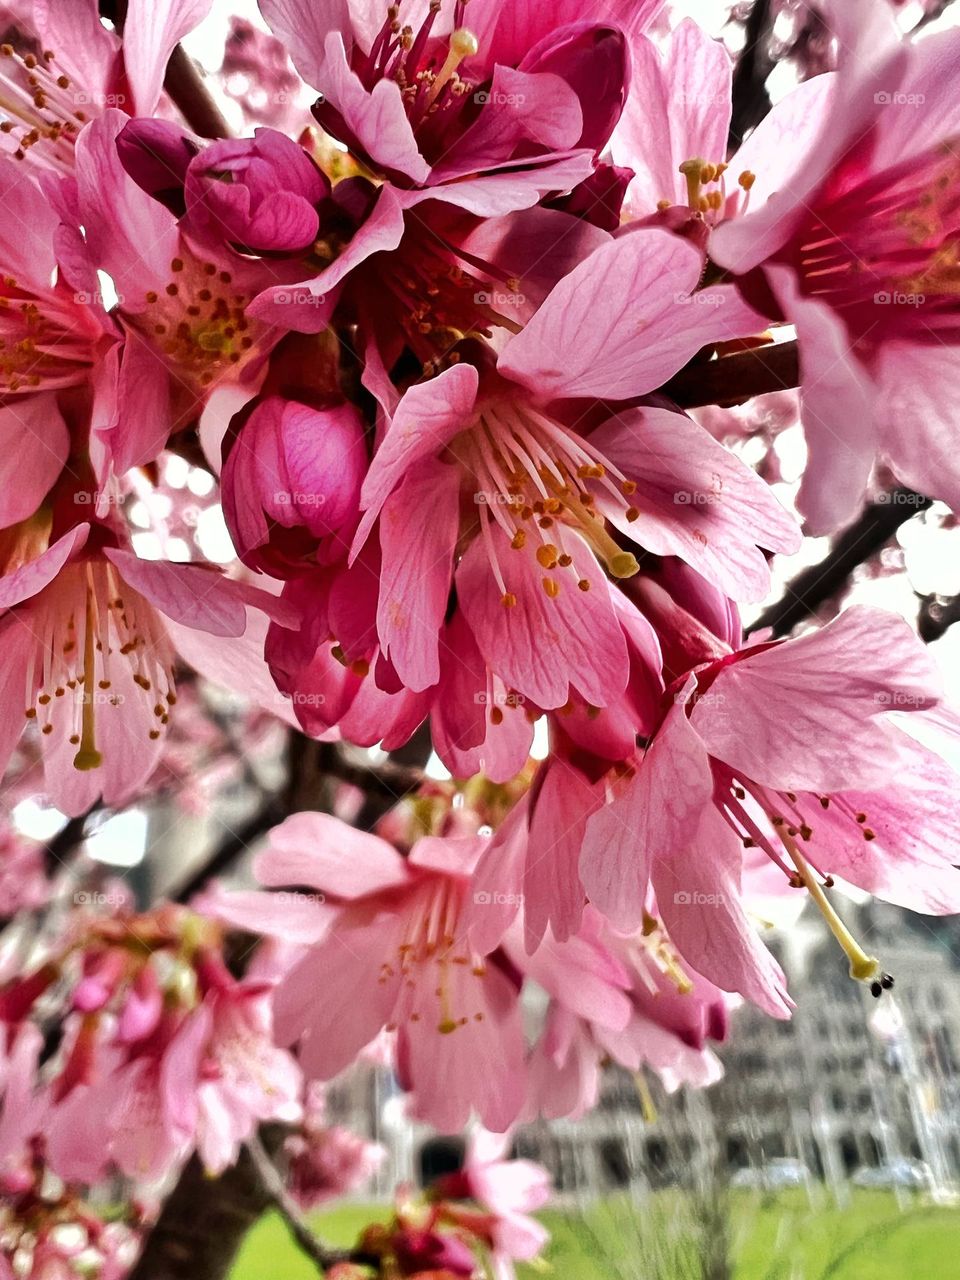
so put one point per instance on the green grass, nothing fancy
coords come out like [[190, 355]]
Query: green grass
[[780, 1238]]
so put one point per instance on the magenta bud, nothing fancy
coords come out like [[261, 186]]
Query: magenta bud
[[429, 1251], [259, 194], [156, 155], [594, 61], [292, 481]]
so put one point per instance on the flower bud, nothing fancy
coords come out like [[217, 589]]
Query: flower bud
[[259, 194], [291, 483], [418, 1250], [156, 155]]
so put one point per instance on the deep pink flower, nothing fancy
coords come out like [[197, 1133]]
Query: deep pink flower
[[181, 306], [443, 97], [479, 483]]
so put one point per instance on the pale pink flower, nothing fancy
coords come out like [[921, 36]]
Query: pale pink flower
[[857, 250], [89, 658], [789, 747], [395, 940]]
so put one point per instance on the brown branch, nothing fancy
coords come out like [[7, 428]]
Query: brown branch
[[184, 83], [273, 1187], [736, 378], [751, 102], [202, 1223], [864, 538]]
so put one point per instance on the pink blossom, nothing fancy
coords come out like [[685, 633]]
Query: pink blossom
[[856, 251], [437, 104], [789, 747], [84, 630], [395, 937]]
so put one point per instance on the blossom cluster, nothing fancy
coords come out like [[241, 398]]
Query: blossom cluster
[[422, 329]]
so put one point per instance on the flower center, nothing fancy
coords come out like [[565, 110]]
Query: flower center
[[880, 248], [437, 971], [44, 341], [425, 68], [84, 625], [39, 104], [536, 479], [198, 321]]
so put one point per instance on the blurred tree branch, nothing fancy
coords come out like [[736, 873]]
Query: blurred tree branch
[[868, 534]]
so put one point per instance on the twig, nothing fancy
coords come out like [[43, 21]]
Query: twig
[[867, 535], [751, 102], [736, 378], [185, 86], [283, 1202]]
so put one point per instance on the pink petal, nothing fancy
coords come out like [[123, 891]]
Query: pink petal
[[428, 417], [30, 579], [319, 850], [129, 234], [916, 824], [806, 714], [637, 336], [661, 804], [542, 646], [419, 524], [151, 30], [696, 500], [34, 444], [553, 895], [837, 407]]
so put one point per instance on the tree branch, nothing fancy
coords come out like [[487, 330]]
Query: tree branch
[[735, 378], [274, 1189], [866, 536], [185, 86], [751, 102]]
